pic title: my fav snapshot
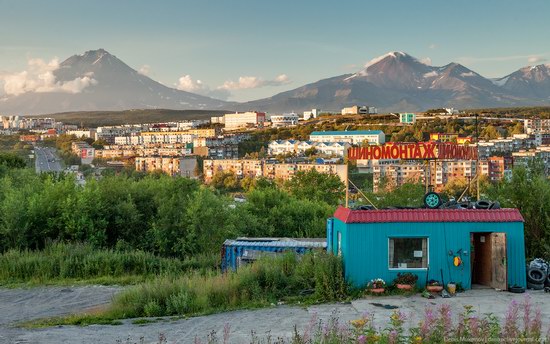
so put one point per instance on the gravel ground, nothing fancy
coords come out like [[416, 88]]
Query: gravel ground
[[18, 305]]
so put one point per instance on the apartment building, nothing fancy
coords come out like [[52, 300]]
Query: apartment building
[[173, 166], [267, 169], [536, 126], [443, 171], [398, 174], [356, 137], [448, 137], [496, 167], [87, 133], [284, 120], [277, 147], [240, 120], [84, 151], [313, 113], [227, 151], [505, 146], [523, 157]]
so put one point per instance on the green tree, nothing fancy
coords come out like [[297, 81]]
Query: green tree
[[316, 186]]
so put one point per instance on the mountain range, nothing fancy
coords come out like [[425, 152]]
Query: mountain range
[[393, 82]]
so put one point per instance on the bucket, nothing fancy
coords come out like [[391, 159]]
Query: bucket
[[451, 288]]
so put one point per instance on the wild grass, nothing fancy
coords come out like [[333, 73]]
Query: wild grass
[[62, 263], [311, 278]]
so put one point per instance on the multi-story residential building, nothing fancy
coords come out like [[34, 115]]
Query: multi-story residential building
[[311, 114], [87, 133], [338, 149], [84, 151], [356, 137], [447, 137], [240, 120], [173, 166], [396, 175], [496, 167], [284, 120], [536, 126], [442, 171], [267, 169], [167, 137], [227, 151], [206, 133], [523, 157], [505, 146]]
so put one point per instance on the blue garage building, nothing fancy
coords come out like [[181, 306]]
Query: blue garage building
[[470, 246]]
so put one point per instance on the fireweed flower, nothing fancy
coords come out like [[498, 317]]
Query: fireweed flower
[[510, 321]]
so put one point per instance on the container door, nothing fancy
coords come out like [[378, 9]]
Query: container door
[[499, 264]]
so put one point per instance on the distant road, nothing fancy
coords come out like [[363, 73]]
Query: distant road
[[47, 160]]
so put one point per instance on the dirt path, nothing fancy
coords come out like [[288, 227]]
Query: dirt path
[[25, 304]]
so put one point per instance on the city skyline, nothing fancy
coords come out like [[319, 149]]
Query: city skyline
[[246, 50]]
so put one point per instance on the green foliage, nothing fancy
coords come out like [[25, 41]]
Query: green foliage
[[269, 280], [11, 160], [529, 191], [316, 186], [61, 262]]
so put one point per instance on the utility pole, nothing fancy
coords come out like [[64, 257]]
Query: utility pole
[[477, 161]]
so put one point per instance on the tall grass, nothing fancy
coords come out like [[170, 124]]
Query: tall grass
[[315, 277], [58, 262]]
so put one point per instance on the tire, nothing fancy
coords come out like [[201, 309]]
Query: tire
[[516, 289], [464, 205], [495, 205], [483, 204], [535, 286], [432, 200], [536, 275], [547, 282]]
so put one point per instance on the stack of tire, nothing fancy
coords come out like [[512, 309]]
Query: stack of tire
[[538, 274]]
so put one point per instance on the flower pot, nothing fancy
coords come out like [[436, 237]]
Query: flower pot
[[377, 290], [404, 286], [434, 288], [451, 287]]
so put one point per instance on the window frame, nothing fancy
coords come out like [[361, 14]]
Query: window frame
[[410, 237]]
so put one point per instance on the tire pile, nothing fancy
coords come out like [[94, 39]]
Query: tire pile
[[538, 275]]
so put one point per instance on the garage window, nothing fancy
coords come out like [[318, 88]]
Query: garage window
[[408, 253]]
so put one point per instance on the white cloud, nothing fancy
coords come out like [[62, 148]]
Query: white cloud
[[39, 77], [188, 84], [535, 59], [432, 46], [248, 82], [144, 70], [426, 61]]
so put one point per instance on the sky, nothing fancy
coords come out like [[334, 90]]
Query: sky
[[249, 49]]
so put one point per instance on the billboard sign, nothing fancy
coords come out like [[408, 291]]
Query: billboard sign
[[414, 151]]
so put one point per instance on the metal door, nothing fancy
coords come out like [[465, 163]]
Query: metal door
[[499, 261]]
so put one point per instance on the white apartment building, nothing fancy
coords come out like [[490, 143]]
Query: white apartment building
[[240, 120], [357, 137], [338, 149], [313, 113], [88, 133], [284, 120]]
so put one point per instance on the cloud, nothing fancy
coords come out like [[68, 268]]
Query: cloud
[[39, 77], [248, 82], [426, 61], [144, 70], [432, 46], [536, 59], [188, 84]]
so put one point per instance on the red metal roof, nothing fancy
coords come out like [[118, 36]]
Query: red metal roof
[[427, 215]]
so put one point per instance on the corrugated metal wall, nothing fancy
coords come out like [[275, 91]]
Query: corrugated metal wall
[[365, 249]]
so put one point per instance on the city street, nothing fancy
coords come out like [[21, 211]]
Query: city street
[[47, 160]]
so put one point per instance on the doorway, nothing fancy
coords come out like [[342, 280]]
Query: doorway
[[488, 260]]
